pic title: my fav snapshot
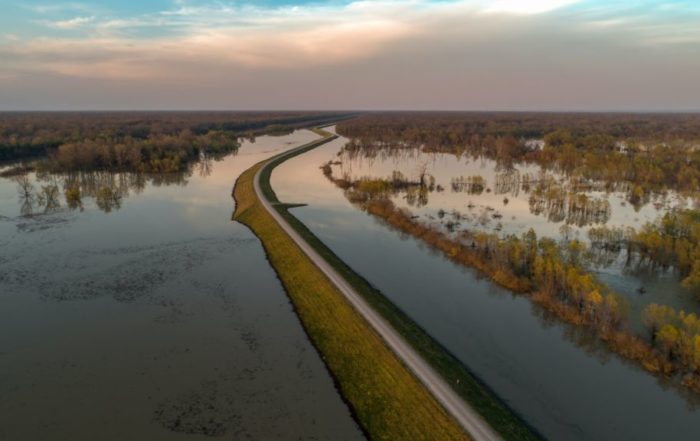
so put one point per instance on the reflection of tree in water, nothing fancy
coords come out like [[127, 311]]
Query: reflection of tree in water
[[49, 198], [558, 204], [417, 195], [107, 199], [25, 190], [366, 151], [46, 199], [587, 341], [507, 182], [107, 189], [74, 198], [468, 184], [360, 155], [91, 183], [204, 166]]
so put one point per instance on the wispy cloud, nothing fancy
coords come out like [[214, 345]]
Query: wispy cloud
[[72, 23], [248, 37], [415, 47], [50, 8], [526, 7]]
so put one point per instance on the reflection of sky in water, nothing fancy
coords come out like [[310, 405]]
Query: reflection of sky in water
[[192, 187], [551, 375], [164, 309], [305, 178], [515, 215]]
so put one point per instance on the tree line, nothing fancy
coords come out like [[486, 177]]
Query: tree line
[[137, 141], [646, 153], [155, 154]]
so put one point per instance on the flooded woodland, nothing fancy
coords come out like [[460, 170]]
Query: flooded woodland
[[134, 308], [557, 374]]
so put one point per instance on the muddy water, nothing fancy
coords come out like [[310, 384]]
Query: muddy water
[[146, 313], [560, 381]]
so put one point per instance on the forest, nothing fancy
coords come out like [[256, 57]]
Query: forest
[[636, 153], [137, 141]]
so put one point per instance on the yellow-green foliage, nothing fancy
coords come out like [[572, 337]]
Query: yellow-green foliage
[[373, 187], [319, 131], [388, 400]]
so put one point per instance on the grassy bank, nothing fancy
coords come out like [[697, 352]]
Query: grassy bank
[[480, 397], [386, 399]]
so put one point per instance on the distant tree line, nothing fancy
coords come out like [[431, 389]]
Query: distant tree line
[[138, 141], [644, 152], [154, 154]]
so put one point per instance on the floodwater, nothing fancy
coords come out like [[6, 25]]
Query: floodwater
[[519, 197], [146, 313], [512, 199], [558, 379]]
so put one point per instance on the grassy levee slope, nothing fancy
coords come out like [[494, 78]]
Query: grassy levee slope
[[387, 400], [508, 424]]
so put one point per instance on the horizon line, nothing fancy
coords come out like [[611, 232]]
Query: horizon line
[[562, 111]]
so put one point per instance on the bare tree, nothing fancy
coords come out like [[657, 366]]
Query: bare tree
[[26, 194], [422, 172]]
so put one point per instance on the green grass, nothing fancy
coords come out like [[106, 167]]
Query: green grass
[[387, 400], [467, 385]]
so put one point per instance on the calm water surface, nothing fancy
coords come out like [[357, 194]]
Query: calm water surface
[[562, 383], [504, 205], [149, 314]]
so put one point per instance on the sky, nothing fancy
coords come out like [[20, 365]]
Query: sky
[[540, 55]]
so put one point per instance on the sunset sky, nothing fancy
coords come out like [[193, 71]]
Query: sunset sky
[[420, 54]]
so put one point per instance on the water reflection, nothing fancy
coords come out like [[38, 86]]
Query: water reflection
[[45, 192], [204, 166], [553, 200], [510, 198], [168, 289], [568, 391], [593, 347], [507, 182], [518, 196], [44, 183]]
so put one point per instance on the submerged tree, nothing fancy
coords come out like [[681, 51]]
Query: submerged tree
[[73, 197], [27, 198]]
